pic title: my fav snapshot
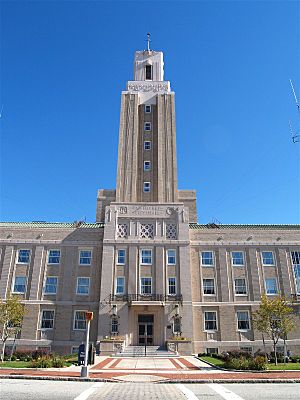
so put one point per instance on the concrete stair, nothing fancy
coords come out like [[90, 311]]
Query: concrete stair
[[139, 351]]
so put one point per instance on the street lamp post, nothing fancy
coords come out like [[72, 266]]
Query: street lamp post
[[84, 368]]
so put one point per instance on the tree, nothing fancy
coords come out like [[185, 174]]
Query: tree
[[11, 316], [274, 318]]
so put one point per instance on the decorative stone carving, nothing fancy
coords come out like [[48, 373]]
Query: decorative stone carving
[[148, 87], [123, 210], [147, 231], [122, 231], [171, 231]]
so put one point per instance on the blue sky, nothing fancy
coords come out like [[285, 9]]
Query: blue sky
[[65, 63]]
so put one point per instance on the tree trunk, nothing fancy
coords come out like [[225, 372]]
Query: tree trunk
[[264, 344], [3, 351], [284, 351], [275, 353]]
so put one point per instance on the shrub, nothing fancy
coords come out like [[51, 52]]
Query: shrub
[[36, 354], [202, 354], [43, 362], [295, 359], [258, 363], [58, 362], [23, 355]]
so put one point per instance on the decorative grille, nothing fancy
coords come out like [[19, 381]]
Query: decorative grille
[[171, 231], [122, 231], [147, 231]]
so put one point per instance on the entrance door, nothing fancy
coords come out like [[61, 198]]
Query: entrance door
[[145, 329]]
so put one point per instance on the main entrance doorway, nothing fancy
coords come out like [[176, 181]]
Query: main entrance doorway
[[145, 329]]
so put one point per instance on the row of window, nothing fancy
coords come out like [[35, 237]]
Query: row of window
[[210, 320], [145, 285], [240, 286], [54, 256], [237, 258], [146, 257], [50, 287]]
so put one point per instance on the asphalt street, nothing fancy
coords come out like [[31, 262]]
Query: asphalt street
[[21, 389]]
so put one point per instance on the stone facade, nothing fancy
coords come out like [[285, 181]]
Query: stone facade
[[146, 269]]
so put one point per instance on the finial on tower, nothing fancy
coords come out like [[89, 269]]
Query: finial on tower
[[148, 41]]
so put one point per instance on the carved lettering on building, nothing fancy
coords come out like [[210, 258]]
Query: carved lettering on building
[[148, 87]]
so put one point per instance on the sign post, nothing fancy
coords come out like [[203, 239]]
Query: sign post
[[84, 368]]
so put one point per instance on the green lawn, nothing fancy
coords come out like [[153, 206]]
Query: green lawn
[[212, 360], [15, 364], [284, 366]]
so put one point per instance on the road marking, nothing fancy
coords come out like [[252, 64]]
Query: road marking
[[84, 395], [225, 393], [187, 392]]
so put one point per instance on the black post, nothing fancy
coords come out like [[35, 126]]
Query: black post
[[145, 340]]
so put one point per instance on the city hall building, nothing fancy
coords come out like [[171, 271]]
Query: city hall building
[[148, 271]]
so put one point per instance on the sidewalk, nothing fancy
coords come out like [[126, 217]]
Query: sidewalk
[[181, 369]]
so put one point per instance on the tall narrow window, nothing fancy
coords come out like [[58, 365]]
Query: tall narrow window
[[147, 126], [114, 325], [47, 319], [79, 321], [85, 257], [146, 187], [19, 284], [147, 109], [267, 258], [210, 320], [171, 257], [296, 267], [120, 285], [147, 145], [146, 285], [23, 256], [50, 285], [271, 286], [243, 322], [83, 286], [121, 257], [172, 285], [208, 286], [147, 166], [148, 72], [54, 257], [207, 259], [240, 286], [146, 257]]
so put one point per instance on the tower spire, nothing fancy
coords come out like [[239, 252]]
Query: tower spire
[[148, 41]]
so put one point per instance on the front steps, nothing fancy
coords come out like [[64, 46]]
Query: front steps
[[139, 351]]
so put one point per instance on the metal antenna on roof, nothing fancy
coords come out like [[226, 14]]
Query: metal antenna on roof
[[295, 134], [148, 41]]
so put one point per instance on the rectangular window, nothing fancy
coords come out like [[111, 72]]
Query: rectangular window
[[47, 320], [83, 285], [120, 285], [23, 256], [79, 321], [121, 257], [243, 321], [146, 285], [296, 268], [172, 285], [50, 285], [20, 284], [114, 326], [147, 165], [240, 286], [148, 72], [267, 258], [146, 257], [147, 109], [207, 258], [146, 187], [177, 325], [271, 286], [147, 145], [54, 257], [85, 257], [237, 258], [208, 286], [210, 320], [171, 257], [147, 126]]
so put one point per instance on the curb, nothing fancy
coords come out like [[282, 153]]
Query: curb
[[55, 378]]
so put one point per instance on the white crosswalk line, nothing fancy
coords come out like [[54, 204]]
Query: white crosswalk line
[[225, 393], [84, 395], [187, 392]]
